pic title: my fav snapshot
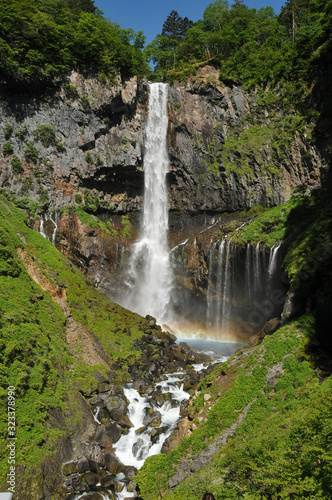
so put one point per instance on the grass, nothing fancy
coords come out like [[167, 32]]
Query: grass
[[34, 354], [282, 447]]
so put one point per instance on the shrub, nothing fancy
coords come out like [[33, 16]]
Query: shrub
[[21, 133], [45, 134], [17, 165], [7, 148], [31, 153], [8, 130]]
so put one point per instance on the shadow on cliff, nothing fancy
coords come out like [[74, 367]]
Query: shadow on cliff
[[308, 262]]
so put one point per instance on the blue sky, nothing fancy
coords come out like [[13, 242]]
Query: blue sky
[[148, 15]]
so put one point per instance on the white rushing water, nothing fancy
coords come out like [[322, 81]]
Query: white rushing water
[[54, 220], [134, 447], [150, 274]]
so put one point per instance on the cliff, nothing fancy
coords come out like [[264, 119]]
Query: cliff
[[84, 144]]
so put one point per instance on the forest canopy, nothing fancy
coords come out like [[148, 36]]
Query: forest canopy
[[44, 39], [250, 46], [40, 39]]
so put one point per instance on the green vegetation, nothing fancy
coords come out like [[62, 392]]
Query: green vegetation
[[59, 36], [31, 152], [125, 222], [34, 354], [7, 131], [250, 46], [17, 165], [266, 225], [7, 148], [45, 134], [281, 450]]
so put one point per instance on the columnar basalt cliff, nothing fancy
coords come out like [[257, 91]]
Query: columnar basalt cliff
[[84, 144], [225, 150]]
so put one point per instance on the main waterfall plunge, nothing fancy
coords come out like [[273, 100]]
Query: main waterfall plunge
[[149, 272], [239, 278]]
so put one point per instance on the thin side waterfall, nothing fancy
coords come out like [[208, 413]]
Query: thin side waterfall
[[150, 274], [248, 272], [209, 294], [273, 263], [227, 289], [221, 278], [257, 268]]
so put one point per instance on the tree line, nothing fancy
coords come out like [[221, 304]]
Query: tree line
[[42, 39], [250, 46]]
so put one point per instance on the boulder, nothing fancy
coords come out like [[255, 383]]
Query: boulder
[[91, 479], [113, 464], [93, 452], [103, 437], [153, 419], [69, 468], [130, 472]]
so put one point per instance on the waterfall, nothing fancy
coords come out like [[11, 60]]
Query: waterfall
[[273, 264], [149, 274], [55, 220], [133, 448], [257, 269], [220, 280], [41, 228], [248, 273], [209, 293], [226, 289], [241, 285]]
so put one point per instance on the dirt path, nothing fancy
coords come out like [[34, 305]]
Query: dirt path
[[80, 340]]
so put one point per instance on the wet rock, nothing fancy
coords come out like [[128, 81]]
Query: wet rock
[[140, 430], [139, 449], [116, 405], [153, 419], [125, 422], [91, 479], [113, 464], [130, 472], [156, 432], [69, 468], [158, 397], [119, 485], [107, 481]]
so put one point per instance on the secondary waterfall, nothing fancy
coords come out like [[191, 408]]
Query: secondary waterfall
[[149, 274], [242, 284]]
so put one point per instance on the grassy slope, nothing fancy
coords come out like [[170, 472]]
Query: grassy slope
[[34, 355], [283, 447]]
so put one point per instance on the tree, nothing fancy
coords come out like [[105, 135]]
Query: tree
[[215, 15], [175, 28]]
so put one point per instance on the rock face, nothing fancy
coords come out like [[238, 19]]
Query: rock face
[[84, 143], [79, 150], [224, 149]]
